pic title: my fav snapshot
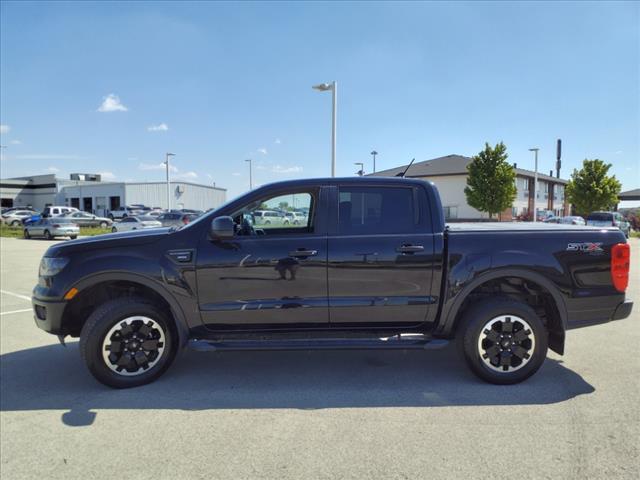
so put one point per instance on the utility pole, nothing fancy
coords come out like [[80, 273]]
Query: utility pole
[[373, 154], [535, 184], [250, 173], [166, 162], [333, 86]]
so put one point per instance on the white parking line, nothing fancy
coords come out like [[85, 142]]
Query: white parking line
[[15, 311], [17, 295]]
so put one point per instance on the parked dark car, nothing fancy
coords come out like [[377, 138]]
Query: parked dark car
[[372, 267]]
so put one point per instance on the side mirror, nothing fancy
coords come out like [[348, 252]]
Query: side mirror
[[222, 228]]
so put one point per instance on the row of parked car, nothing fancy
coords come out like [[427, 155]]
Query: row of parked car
[[595, 219], [62, 221]]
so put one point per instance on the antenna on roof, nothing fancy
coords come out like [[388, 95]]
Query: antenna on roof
[[406, 169]]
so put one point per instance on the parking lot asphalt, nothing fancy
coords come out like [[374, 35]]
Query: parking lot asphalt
[[321, 414]]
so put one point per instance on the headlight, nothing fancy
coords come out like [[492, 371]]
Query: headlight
[[52, 266]]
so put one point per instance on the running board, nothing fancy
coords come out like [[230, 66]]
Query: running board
[[388, 343]]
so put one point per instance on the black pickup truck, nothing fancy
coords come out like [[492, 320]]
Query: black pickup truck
[[357, 263]]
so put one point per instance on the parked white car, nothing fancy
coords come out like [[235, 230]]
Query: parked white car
[[15, 217], [136, 223], [295, 218], [124, 212], [268, 218], [56, 211]]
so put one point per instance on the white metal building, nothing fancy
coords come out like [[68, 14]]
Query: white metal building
[[87, 192]]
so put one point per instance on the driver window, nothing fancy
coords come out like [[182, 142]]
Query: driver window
[[282, 214]]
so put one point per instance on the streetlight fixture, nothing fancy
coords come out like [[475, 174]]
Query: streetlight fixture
[[373, 154], [166, 162], [535, 183], [361, 171], [333, 86], [250, 173]]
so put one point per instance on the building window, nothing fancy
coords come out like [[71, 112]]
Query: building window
[[525, 184], [75, 202], [450, 213], [114, 203], [7, 202], [546, 187]]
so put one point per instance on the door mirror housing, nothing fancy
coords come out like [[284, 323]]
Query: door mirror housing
[[222, 228]]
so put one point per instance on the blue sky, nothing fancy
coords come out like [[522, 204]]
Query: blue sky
[[233, 81]]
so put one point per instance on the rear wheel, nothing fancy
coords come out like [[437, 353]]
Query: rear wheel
[[15, 223], [503, 341], [73, 237], [47, 235], [104, 224], [26, 234], [127, 342]]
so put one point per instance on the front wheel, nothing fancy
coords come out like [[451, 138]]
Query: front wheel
[[127, 342], [114, 229], [104, 224], [26, 234], [503, 341], [47, 235]]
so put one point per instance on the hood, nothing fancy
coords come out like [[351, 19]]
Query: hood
[[108, 240]]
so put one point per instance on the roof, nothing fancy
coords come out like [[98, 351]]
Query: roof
[[450, 165], [630, 194]]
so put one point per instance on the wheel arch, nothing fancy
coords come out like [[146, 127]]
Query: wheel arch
[[451, 316], [104, 286]]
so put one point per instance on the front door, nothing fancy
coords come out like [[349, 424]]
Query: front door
[[381, 260], [268, 274]]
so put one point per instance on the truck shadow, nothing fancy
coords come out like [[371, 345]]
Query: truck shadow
[[54, 378]]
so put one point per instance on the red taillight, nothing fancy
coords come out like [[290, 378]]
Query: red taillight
[[620, 263]]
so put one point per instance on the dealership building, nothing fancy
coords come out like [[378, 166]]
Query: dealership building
[[89, 193], [450, 173]]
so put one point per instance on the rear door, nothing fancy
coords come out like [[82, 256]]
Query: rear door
[[268, 274], [381, 256]]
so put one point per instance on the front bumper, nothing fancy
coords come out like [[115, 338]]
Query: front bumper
[[48, 315]]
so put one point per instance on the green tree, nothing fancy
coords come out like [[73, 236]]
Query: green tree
[[591, 188], [491, 181]]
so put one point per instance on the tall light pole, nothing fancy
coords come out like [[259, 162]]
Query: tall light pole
[[373, 154], [535, 184], [166, 162], [361, 171], [333, 86], [250, 173]]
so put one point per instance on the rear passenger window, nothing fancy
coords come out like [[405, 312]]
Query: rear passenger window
[[369, 210]]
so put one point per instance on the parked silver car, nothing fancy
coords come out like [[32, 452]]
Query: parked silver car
[[176, 219], [85, 219], [609, 219], [136, 223], [15, 217], [52, 227]]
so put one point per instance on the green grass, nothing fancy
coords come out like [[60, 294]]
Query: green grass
[[17, 232], [635, 234]]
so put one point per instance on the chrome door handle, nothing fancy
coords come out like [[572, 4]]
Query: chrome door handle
[[303, 253], [410, 249]]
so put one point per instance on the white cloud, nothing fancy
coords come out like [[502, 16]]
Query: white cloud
[[157, 166], [236, 174], [277, 141], [161, 127], [107, 175], [281, 169], [49, 156], [15, 142], [618, 152], [4, 129], [53, 169], [112, 103], [263, 150], [186, 175]]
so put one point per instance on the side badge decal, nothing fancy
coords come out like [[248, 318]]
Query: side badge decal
[[587, 247]]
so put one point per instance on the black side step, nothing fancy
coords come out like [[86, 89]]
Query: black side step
[[413, 342]]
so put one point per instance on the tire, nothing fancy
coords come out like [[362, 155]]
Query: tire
[[124, 215], [111, 217], [104, 224], [26, 234], [73, 237], [15, 223], [123, 318], [47, 235], [502, 319], [114, 229]]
